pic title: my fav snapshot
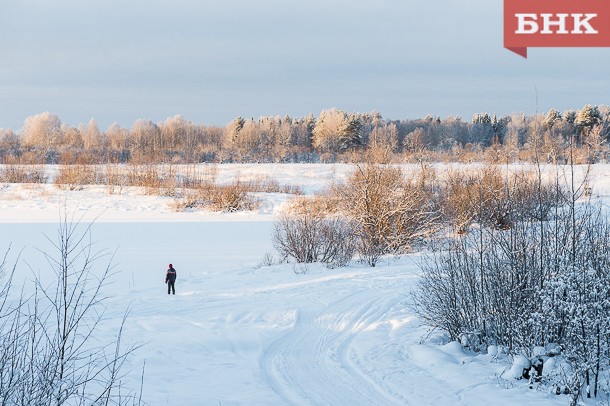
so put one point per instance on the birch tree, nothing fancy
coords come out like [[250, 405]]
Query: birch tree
[[42, 131]]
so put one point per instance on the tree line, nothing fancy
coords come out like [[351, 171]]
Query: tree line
[[333, 136]]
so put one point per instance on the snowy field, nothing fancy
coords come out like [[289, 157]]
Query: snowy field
[[238, 332]]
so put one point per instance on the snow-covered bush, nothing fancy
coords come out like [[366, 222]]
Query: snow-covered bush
[[520, 364], [540, 284]]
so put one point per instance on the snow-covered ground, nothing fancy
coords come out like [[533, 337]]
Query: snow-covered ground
[[242, 333]]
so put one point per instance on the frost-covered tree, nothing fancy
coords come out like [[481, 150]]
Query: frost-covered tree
[[283, 138], [42, 131], [249, 142], [92, 136], [146, 138], [587, 117], [452, 131], [117, 137], [235, 126], [72, 138], [415, 141], [232, 132], [209, 141], [173, 129], [327, 131], [385, 137], [9, 141], [551, 118], [336, 131], [596, 144], [481, 130], [569, 116]]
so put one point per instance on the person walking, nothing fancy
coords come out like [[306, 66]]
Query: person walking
[[170, 279]]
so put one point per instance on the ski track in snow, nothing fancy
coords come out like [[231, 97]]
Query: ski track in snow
[[318, 362], [314, 364]]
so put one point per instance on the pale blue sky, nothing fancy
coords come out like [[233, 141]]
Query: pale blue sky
[[211, 61]]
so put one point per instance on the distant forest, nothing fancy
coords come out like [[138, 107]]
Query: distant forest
[[333, 136]]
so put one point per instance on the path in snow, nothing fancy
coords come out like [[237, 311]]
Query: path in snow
[[314, 363], [348, 351], [363, 347]]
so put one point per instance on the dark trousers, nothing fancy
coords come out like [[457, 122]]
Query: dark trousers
[[170, 285]]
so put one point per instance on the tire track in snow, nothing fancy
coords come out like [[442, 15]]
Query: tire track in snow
[[313, 363]]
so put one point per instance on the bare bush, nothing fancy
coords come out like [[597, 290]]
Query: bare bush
[[13, 171], [75, 177], [389, 211], [226, 198], [115, 181], [165, 180], [265, 184], [49, 351], [230, 198], [322, 204], [490, 198], [268, 260], [155, 179], [310, 237], [200, 190]]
